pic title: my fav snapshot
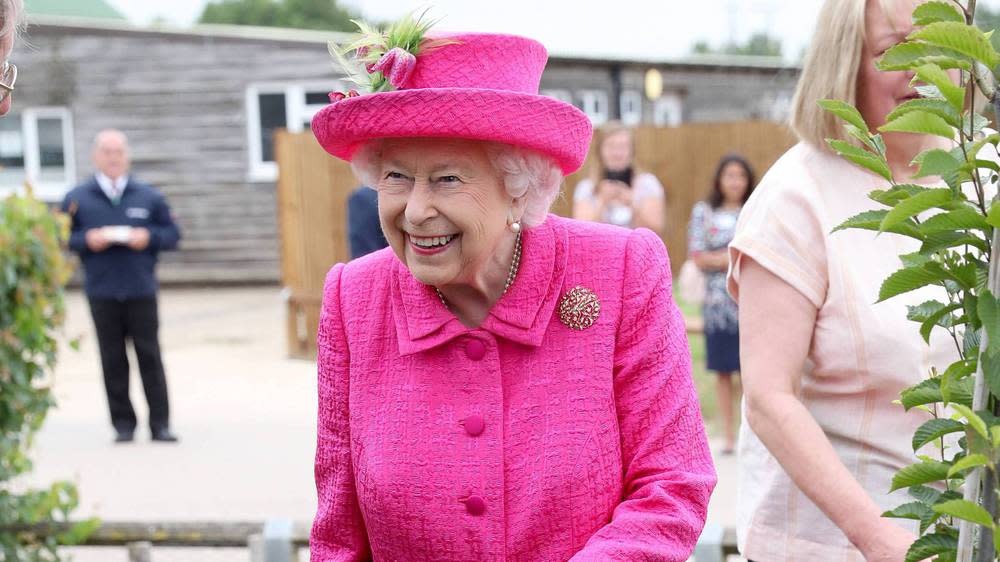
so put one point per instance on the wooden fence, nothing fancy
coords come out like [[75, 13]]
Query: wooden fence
[[313, 188]]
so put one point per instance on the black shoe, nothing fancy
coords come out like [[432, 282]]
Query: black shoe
[[124, 437], [164, 436]]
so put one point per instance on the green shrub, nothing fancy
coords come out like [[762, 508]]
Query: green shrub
[[32, 275]]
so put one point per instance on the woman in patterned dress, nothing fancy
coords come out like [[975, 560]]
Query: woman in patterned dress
[[712, 225]]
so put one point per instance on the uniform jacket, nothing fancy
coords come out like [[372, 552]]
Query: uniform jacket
[[120, 272], [522, 439]]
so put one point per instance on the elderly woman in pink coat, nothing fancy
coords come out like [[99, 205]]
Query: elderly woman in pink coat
[[499, 383]]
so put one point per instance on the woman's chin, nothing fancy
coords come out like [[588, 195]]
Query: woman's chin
[[428, 275]]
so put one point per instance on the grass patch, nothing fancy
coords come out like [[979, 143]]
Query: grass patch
[[704, 380]]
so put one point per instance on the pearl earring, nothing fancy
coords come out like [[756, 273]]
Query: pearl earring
[[515, 227]]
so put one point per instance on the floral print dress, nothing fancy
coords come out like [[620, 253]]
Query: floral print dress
[[711, 230]]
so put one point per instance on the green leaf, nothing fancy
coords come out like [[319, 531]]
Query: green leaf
[[935, 429], [991, 370], [925, 494], [909, 55], [865, 138], [929, 392], [938, 162], [911, 510], [919, 473], [872, 220], [989, 315], [931, 545], [944, 240], [965, 274], [935, 75], [975, 422], [948, 165], [941, 108], [933, 12], [940, 318], [909, 279], [895, 194], [861, 157], [986, 164], [845, 111], [921, 123], [962, 218], [917, 204], [915, 259], [924, 310], [959, 37], [965, 510], [993, 218], [970, 342]]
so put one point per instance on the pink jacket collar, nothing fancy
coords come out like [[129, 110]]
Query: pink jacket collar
[[522, 315]]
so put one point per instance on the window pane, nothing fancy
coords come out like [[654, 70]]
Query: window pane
[[11, 151], [317, 98], [51, 151], [272, 116]]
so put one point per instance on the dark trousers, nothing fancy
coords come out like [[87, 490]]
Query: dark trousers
[[135, 319]]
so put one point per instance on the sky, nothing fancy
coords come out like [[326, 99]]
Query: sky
[[643, 29]]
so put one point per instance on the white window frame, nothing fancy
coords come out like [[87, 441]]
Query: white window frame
[[52, 190], [296, 113], [561, 95], [668, 111], [595, 104], [630, 107]]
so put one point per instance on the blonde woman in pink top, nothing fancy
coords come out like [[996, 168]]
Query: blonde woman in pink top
[[499, 383], [821, 363]]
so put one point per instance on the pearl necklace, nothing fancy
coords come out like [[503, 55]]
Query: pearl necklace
[[514, 266]]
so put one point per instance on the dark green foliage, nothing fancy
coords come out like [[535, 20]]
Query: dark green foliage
[[32, 275]]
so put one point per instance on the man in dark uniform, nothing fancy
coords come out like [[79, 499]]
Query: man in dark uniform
[[363, 230], [119, 227]]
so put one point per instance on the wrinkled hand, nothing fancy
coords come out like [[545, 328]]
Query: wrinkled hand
[[96, 240], [887, 542], [138, 239]]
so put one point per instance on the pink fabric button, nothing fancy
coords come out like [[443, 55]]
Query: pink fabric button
[[475, 505], [474, 425], [475, 349]]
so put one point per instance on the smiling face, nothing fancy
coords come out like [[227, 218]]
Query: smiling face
[[443, 208], [880, 92]]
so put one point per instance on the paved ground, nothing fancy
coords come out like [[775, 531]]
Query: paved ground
[[244, 412]]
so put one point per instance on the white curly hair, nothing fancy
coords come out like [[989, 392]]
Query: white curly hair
[[12, 14], [525, 172]]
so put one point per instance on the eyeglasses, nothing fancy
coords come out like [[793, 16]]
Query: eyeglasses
[[8, 76]]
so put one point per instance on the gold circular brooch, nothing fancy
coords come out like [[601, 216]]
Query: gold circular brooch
[[579, 308]]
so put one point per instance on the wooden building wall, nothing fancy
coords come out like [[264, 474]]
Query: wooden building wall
[[181, 101]]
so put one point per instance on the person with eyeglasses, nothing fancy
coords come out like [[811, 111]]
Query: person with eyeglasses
[[12, 15]]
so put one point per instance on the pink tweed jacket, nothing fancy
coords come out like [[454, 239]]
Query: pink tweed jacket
[[522, 439]]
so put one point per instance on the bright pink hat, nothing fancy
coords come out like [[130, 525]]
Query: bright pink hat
[[473, 86]]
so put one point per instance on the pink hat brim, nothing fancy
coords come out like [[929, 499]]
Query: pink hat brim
[[536, 122]]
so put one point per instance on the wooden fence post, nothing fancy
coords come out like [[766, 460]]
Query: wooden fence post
[[140, 551]]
